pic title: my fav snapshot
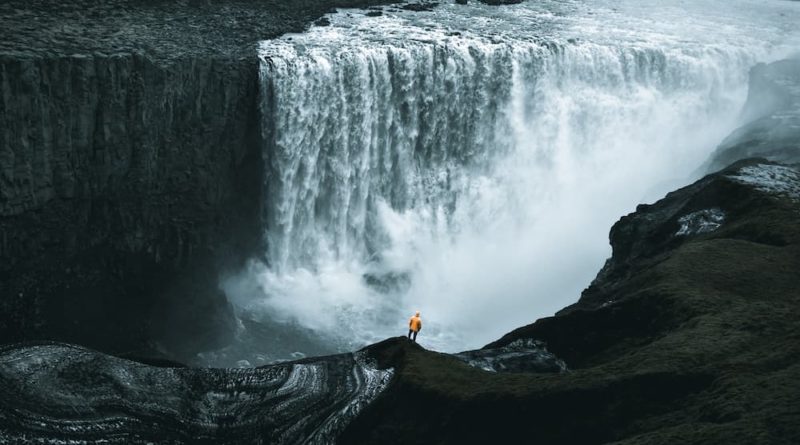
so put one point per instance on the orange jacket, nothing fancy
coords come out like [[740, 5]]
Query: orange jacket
[[415, 323]]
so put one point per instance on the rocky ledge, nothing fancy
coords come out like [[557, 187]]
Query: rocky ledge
[[57, 393], [689, 334]]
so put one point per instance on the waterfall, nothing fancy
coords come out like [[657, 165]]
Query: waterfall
[[419, 162]]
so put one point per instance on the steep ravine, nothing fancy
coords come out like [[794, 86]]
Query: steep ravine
[[130, 166]]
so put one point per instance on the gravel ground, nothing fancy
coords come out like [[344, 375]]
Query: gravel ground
[[156, 28]]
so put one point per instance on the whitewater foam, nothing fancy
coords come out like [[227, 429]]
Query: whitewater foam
[[468, 162]]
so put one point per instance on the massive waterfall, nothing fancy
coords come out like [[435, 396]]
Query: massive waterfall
[[468, 162]]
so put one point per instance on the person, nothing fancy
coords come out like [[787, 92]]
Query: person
[[414, 326]]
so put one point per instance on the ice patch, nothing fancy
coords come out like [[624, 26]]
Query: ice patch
[[702, 221], [773, 179], [522, 355]]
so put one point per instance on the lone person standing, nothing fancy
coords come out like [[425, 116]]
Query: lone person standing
[[414, 326]]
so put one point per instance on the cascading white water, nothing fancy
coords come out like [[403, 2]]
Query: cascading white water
[[469, 162]]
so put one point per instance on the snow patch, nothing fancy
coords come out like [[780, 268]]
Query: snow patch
[[773, 179], [702, 221], [521, 355]]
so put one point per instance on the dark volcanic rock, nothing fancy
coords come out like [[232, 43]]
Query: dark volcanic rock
[[749, 205], [130, 164], [123, 173], [522, 355], [419, 7], [773, 115], [501, 2], [688, 335], [55, 393]]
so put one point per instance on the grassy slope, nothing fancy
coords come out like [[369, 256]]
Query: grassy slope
[[700, 345]]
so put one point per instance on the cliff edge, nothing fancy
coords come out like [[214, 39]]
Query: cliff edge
[[131, 166]]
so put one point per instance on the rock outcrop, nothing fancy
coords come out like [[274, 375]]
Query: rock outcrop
[[56, 393], [522, 355], [689, 334]]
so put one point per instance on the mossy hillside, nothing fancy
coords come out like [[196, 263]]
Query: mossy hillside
[[693, 339]]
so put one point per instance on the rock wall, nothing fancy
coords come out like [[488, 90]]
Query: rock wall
[[117, 172], [130, 166], [87, 397]]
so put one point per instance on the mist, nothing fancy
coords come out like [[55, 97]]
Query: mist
[[472, 178]]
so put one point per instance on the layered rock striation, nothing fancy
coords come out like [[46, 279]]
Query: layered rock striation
[[57, 393]]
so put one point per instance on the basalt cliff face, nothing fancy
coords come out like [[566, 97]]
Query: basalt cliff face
[[84, 396], [130, 165]]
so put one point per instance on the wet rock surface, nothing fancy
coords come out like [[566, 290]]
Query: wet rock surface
[[420, 7], [522, 355], [501, 2], [56, 393]]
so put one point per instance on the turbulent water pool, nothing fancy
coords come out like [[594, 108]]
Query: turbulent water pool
[[469, 161]]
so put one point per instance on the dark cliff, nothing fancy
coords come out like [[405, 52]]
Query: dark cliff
[[688, 335], [130, 165]]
